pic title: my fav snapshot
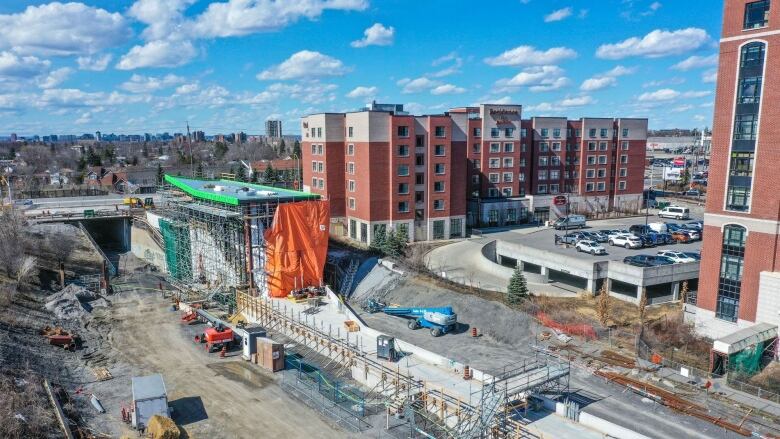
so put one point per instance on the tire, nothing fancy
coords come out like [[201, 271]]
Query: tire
[[611, 242], [436, 332], [627, 246], [578, 249], [593, 252], [413, 324]]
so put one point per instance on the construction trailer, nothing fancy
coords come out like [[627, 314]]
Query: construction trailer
[[222, 233], [149, 398]]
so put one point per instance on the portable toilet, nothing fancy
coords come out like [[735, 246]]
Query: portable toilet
[[149, 398], [249, 340], [385, 348]]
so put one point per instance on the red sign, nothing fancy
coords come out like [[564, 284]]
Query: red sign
[[560, 200]]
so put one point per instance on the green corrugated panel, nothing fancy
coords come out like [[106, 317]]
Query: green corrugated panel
[[226, 199], [282, 191], [177, 241], [747, 361]]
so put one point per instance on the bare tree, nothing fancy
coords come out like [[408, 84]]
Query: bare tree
[[60, 246], [643, 306], [14, 242], [602, 305]]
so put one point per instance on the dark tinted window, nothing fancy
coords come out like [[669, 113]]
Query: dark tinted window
[[752, 54], [756, 14]]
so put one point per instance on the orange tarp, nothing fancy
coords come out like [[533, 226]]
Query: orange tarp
[[296, 246]]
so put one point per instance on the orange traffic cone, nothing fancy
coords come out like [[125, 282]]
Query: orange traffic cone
[[223, 352], [473, 332]]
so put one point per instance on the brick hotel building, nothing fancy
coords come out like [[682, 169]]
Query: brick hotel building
[[739, 284], [431, 176]]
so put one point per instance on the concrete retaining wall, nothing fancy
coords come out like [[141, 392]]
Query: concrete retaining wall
[[143, 246], [488, 262]]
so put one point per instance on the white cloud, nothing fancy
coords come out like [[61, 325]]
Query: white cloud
[[62, 29], [187, 88], [695, 62], [84, 119], [158, 53], [606, 79], [164, 18], [96, 63], [668, 94], [655, 6], [417, 85], [362, 92], [376, 35], [558, 15], [13, 65], [655, 44], [455, 61], [55, 77], [529, 56], [699, 118], [537, 79], [305, 64], [75, 98], [710, 76], [505, 100], [663, 82], [243, 17], [447, 89], [578, 101], [149, 84], [681, 108]]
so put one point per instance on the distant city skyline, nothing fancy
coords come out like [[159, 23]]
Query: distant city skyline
[[153, 65]]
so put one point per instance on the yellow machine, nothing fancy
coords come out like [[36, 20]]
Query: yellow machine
[[133, 202]]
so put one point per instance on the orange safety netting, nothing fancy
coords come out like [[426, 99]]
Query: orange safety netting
[[296, 246], [583, 330]]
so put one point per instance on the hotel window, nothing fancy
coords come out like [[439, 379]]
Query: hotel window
[[756, 14], [493, 177], [621, 185], [492, 193], [350, 149], [602, 160], [319, 132], [314, 182], [566, 174], [476, 164], [475, 179], [438, 168], [314, 150], [507, 191], [320, 167], [589, 187], [543, 147], [351, 168], [591, 146], [602, 146], [419, 178], [322, 183], [545, 133], [494, 163], [738, 198], [521, 176], [543, 160], [403, 150], [419, 159], [556, 146], [494, 132], [349, 132], [352, 207], [523, 132], [554, 188], [403, 188], [319, 149], [508, 162], [419, 141], [623, 172], [590, 173], [475, 148], [351, 185], [731, 268], [557, 133], [477, 132], [495, 147], [591, 159], [509, 132], [624, 159], [624, 145], [313, 131], [438, 150], [439, 131], [403, 170], [456, 228], [522, 147], [601, 186], [403, 131], [522, 163], [555, 174], [541, 189], [752, 54], [604, 132], [625, 132], [507, 177], [555, 161], [577, 132], [601, 173], [741, 164], [542, 175], [745, 127], [509, 147], [749, 90], [438, 186], [438, 204], [592, 133], [403, 206], [313, 166]]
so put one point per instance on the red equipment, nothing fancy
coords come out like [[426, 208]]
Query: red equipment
[[189, 316], [216, 339]]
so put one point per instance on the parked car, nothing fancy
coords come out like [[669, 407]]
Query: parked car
[[694, 255], [654, 238], [677, 257], [639, 229], [571, 238], [676, 212], [596, 236], [607, 232], [617, 233], [693, 193], [680, 236], [694, 225], [692, 233], [658, 227], [625, 240], [662, 260], [591, 247], [647, 260], [569, 222]]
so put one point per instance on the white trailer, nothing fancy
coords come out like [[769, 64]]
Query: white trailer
[[149, 398]]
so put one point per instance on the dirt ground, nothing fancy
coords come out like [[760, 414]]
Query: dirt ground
[[211, 397]]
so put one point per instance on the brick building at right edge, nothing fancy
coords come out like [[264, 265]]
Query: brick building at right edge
[[739, 283]]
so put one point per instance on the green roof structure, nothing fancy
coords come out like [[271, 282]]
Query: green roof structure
[[234, 192]]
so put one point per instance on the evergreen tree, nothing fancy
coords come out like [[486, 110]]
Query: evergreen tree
[[297, 149], [517, 290], [220, 149], [134, 160], [254, 177], [282, 147], [686, 178], [269, 175], [145, 151], [395, 244], [241, 173], [159, 150], [379, 242]]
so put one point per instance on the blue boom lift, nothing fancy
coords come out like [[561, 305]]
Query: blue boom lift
[[440, 320]]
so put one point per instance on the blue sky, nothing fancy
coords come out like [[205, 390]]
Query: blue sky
[[226, 66]]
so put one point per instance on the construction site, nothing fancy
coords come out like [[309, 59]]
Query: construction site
[[229, 294]]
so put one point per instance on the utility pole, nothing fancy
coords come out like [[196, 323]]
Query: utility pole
[[189, 144]]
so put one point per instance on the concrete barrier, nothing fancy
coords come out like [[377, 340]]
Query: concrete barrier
[[488, 262]]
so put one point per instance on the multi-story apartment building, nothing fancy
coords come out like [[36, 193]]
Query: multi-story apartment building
[[739, 284], [432, 175], [273, 129]]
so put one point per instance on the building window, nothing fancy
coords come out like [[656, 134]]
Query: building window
[[731, 267], [604, 132], [493, 177], [554, 188], [624, 145], [492, 192], [351, 185], [543, 160], [591, 146], [319, 149], [403, 188], [623, 159], [402, 229], [313, 166], [419, 178], [477, 132], [602, 160], [475, 148], [622, 185], [349, 131], [625, 132], [591, 159], [419, 159], [752, 55], [320, 166], [456, 228], [542, 175], [741, 164], [738, 198], [438, 168], [403, 131], [589, 187], [403, 150], [313, 149], [419, 196], [556, 146], [494, 163], [494, 132], [314, 182], [439, 131], [523, 132], [322, 183], [555, 174], [541, 189], [601, 173], [419, 141], [475, 179], [623, 172], [509, 147], [438, 204], [476, 164], [507, 177], [506, 192], [555, 161], [543, 147], [352, 223], [438, 229], [557, 133], [602, 146], [509, 132], [403, 170], [756, 14], [438, 186], [403, 206], [522, 162], [508, 162], [545, 133], [521, 176], [351, 168], [438, 150], [749, 90], [495, 147], [601, 186], [745, 127], [319, 132], [350, 149]]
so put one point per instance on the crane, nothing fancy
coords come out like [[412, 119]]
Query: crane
[[440, 320]]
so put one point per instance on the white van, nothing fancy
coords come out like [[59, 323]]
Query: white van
[[658, 227], [675, 212], [569, 222]]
